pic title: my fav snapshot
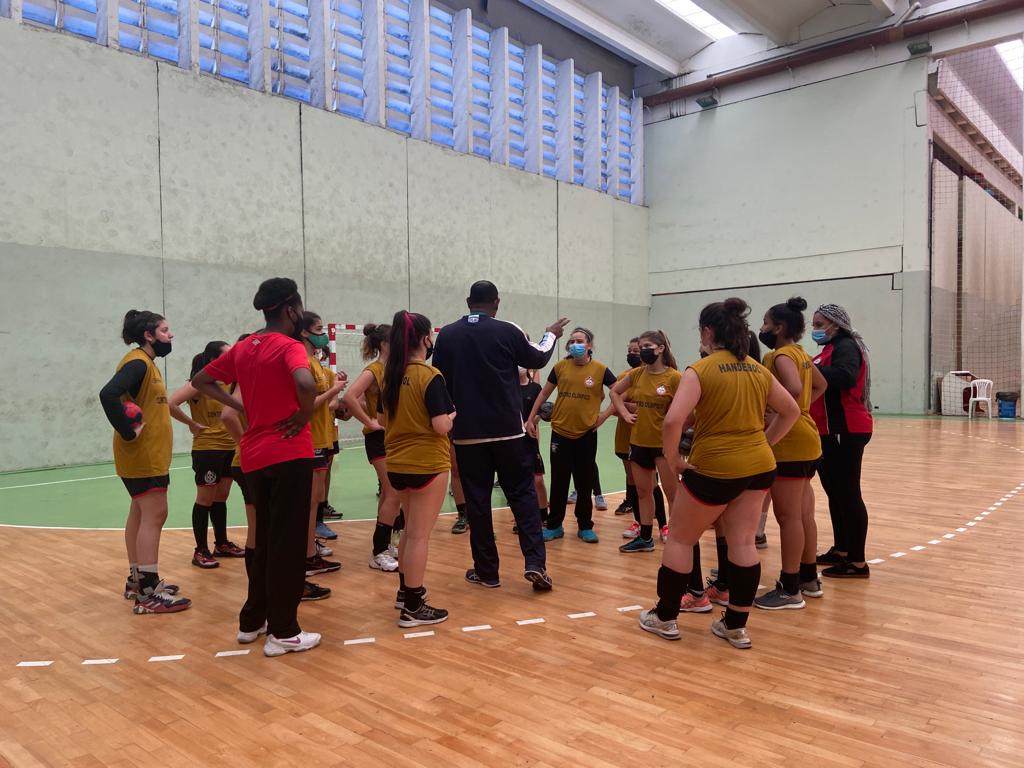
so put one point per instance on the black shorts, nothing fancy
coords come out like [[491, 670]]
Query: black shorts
[[212, 466], [533, 446], [623, 456], [140, 486], [321, 459], [715, 492], [406, 481], [644, 457], [243, 486], [374, 444], [796, 470], [335, 449]]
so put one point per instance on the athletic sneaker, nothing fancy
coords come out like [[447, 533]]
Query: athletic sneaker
[[716, 595], [160, 601], [572, 498], [311, 591], [600, 503], [330, 513], [131, 589], [228, 549], [316, 565], [846, 570], [202, 558], [303, 641], [550, 534], [693, 604], [649, 622], [633, 531], [474, 578], [738, 638], [324, 531], [322, 549], [539, 578], [460, 525], [383, 562], [625, 508], [250, 637], [761, 541], [589, 536], [425, 614], [638, 545], [830, 558], [400, 598], [663, 534], [779, 599], [811, 588], [393, 550]]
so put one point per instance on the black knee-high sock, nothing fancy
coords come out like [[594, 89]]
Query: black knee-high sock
[[401, 581], [695, 585], [320, 508], [219, 518], [381, 537], [461, 509], [200, 523], [743, 587], [250, 555], [722, 582], [671, 585], [543, 515], [659, 507], [399, 521], [808, 571]]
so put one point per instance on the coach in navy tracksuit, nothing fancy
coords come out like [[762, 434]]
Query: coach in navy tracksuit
[[480, 359]]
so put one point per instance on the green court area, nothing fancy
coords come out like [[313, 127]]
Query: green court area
[[92, 496]]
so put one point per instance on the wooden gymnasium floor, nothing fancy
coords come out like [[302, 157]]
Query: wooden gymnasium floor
[[920, 666]]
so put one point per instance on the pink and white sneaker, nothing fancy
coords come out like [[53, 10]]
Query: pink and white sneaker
[[303, 641], [691, 604], [664, 534], [633, 531]]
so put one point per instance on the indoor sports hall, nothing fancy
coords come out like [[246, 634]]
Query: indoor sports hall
[[716, 303]]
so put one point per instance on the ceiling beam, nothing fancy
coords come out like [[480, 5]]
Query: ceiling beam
[[589, 24]]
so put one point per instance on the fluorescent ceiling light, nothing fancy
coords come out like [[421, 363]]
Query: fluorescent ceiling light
[[1013, 57], [698, 18]]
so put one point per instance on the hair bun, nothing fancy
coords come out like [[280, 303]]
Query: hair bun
[[797, 304], [369, 328], [736, 306]]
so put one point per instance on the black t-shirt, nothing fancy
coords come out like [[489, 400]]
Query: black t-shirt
[[530, 392]]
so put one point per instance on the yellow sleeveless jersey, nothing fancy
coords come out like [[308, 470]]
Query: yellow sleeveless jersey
[[149, 454], [652, 393], [728, 439], [322, 423], [206, 411], [412, 445], [802, 443], [373, 397], [580, 392], [623, 429]]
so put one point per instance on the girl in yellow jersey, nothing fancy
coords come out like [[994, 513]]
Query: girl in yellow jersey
[[729, 469], [142, 457], [796, 457], [651, 388], [213, 449], [328, 387], [366, 389], [419, 414], [580, 380]]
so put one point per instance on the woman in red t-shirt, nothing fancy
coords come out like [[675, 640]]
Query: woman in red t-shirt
[[273, 376]]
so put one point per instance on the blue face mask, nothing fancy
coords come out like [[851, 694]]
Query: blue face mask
[[819, 336], [319, 340], [577, 350]]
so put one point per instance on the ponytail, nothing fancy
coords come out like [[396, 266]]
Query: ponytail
[[210, 352], [373, 337], [137, 323], [408, 329], [728, 323]]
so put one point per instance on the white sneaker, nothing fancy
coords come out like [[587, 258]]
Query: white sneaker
[[393, 550], [383, 562], [301, 642], [250, 637], [322, 549], [737, 638]]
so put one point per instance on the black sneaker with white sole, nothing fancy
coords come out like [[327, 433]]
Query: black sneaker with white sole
[[311, 591], [474, 578], [425, 614], [539, 578], [400, 597]]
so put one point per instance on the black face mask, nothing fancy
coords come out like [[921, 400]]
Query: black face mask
[[648, 356], [768, 338], [633, 360], [430, 351], [161, 348]]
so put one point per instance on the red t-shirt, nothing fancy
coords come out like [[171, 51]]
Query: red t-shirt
[[263, 365]]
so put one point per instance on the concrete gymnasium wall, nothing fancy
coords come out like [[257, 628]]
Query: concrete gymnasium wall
[[819, 190], [131, 184]]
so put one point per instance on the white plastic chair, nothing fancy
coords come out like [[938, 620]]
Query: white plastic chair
[[981, 392]]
